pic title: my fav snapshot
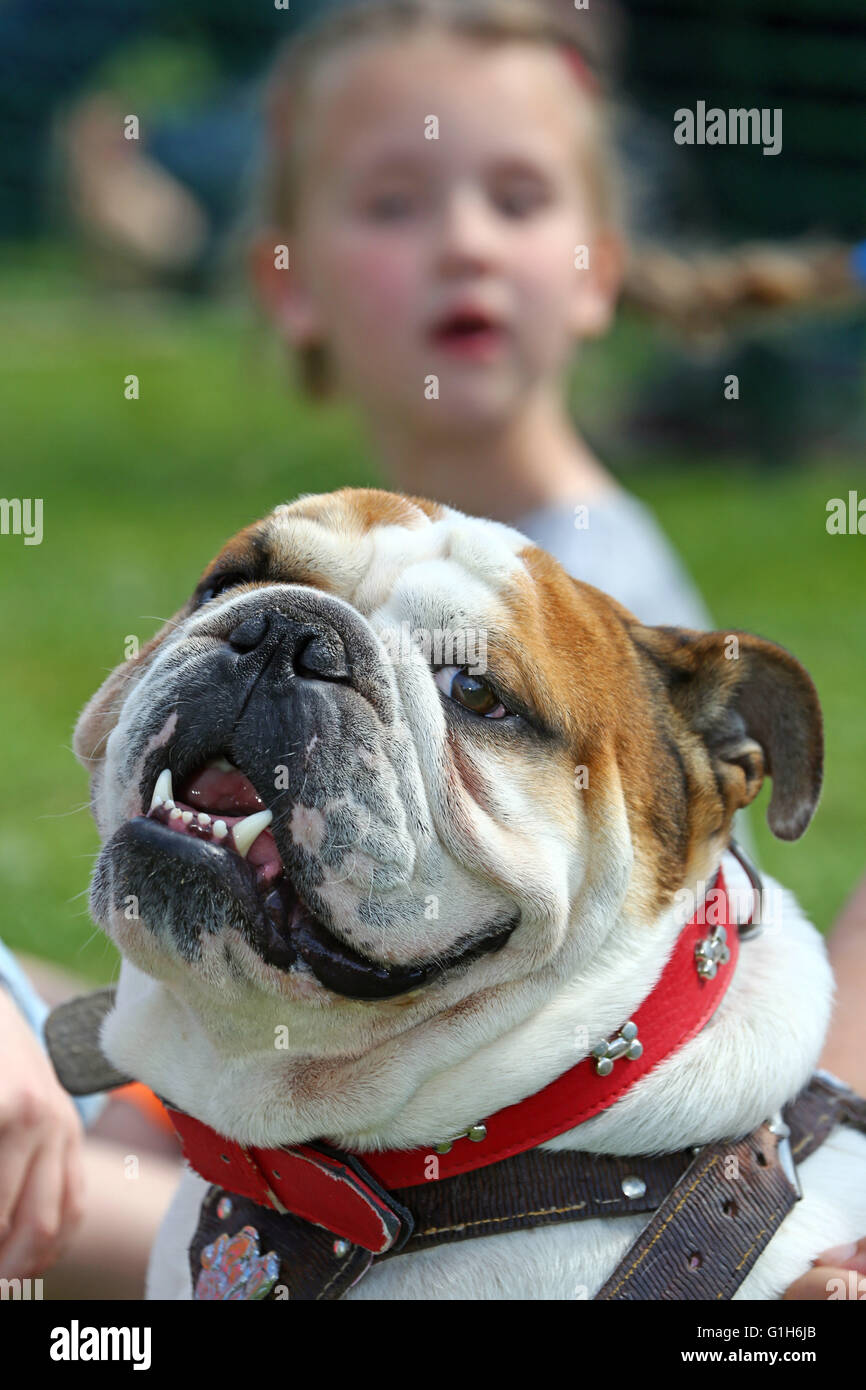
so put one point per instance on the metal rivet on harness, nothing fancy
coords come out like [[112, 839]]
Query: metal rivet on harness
[[341, 1248], [633, 1186], [224, 1208], [625, 1044]]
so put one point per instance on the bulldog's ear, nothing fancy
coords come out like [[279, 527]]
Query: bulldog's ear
[[98, 718], [755, 708], [102, 711]]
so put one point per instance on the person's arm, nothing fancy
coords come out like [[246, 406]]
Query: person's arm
[[828, 1278], [15, 981], [845, 1046], [41, 1174]]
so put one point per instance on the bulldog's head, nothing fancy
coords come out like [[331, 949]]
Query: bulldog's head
[[388, 757]]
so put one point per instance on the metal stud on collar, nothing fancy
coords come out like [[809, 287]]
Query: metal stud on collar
[[625, 1044], [475, 1133], [712, 952]]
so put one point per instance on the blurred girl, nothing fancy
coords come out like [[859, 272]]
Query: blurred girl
[[442, 183]]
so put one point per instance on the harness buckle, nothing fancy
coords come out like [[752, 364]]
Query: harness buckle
[[777, 1126]]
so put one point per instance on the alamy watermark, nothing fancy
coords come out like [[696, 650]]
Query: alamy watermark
[[709, 905], [22, 516], [23, 1290], [463, 647], [846, 516], [736, 126]]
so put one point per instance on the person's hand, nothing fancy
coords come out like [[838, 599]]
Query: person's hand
[[41, 1172], [831, 1276]]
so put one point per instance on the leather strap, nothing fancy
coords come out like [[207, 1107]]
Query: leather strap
[[72, 1039], [712, 1226], [538, 1188], [724, 1211], [715, 1212], [819, 1108]]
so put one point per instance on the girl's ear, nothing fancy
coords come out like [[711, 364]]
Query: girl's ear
[[598, 276], [282, 292]]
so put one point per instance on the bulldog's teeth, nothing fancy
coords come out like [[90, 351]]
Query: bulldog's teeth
[[203, 818], [174, 813], [220, 829], [186, 817], [169, 805], [163, 790], [249, 829]]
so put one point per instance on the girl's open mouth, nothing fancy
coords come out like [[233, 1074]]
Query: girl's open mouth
[[469, 333]]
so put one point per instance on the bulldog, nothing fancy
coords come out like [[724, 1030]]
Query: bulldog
[[397, 820]]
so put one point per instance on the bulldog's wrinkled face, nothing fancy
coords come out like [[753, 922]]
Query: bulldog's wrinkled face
[[389, 753]]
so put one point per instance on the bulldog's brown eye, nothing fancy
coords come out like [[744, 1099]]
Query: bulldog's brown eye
[[218, 585], [469, 691]]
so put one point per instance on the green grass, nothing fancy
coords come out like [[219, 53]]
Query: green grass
[[138, 495]]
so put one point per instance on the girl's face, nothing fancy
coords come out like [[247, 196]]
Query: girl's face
[[439, 215]]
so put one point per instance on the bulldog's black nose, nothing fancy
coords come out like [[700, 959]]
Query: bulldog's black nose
[[250, 633], [309, 648]]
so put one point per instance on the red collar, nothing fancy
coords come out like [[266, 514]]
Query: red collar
[[349, 1193]]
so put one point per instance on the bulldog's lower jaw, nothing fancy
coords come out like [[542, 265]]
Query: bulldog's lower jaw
[[189, 883]]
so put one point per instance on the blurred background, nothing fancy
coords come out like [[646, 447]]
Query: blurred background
[[121, 257]]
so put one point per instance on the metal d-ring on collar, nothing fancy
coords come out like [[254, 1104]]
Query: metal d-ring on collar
[[754, 926], [713, 951]]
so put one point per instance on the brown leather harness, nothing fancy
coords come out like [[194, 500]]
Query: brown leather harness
[[711, 1211], [714, 1211]]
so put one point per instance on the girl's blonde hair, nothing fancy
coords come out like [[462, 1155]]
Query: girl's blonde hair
[[490, 21]]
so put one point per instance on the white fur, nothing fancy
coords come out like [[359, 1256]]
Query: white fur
[[757, 1051], [415, 1070]]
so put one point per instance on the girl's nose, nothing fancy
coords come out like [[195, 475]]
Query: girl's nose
[[468, 235]]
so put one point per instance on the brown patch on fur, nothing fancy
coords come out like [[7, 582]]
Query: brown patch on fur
[[253, 549], [690, 731], [755, 710], [362, 509], [569, 649]]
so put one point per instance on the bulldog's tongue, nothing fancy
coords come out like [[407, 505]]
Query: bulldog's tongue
[[223, 791], [217, 787]]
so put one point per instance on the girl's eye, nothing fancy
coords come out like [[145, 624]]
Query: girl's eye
[[219, 584], [390, 207], [469, 691], [519, 200]]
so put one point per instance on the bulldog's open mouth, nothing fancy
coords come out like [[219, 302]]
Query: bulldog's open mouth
[[218, 822]]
